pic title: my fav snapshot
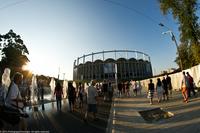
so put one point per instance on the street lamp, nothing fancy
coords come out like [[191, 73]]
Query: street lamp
[[173, 39]]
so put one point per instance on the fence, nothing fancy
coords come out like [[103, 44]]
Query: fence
[[177, 78]]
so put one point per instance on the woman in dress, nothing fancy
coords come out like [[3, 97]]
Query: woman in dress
[[159, 89]]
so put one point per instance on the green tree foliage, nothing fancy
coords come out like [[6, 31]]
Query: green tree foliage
[[14, 52], [184, 55], [184, 11]]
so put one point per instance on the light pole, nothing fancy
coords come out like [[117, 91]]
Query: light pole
[[173, 39]]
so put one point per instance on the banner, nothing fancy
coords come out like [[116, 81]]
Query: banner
[[109, 68]]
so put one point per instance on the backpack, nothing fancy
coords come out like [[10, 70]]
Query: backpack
[[191, 80]]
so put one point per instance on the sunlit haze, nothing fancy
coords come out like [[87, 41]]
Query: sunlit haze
[[56, 32]]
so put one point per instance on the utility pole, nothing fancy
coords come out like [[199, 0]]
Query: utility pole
[[173, 39]]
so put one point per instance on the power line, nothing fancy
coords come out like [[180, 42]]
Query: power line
[[132, 9], [12, 4]]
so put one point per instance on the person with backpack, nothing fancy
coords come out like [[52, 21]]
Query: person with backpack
[[191, 85]]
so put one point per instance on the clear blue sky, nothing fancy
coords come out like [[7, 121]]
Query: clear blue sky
[[56, 32]]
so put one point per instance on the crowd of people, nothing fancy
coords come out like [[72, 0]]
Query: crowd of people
[[129, 88], [163, 88], [85, 95]]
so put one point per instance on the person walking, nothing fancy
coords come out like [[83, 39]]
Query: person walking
[[159, 90], [84, 104], [80, 94], [135, 84], [151, 91], [71, 93], [164, 85], [169, 85], [59, 94], [119, 89], [92, 101], [105, 90], [191, 85], [184, 87]]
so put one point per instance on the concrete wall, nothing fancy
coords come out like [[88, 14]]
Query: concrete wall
[[177, 77]]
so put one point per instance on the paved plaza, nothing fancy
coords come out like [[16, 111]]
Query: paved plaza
[[125, 115], [46, 118]]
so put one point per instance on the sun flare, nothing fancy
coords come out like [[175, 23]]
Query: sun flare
[[26, 67]]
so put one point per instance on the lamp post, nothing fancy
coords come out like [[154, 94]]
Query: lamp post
[[173, 39]]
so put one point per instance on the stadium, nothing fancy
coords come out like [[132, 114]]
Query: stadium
[[122, 65]]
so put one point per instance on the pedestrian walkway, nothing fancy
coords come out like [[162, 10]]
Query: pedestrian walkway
[[44, 117], [126, 118]]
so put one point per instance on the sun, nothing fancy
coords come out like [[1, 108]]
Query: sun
[[27, 67]]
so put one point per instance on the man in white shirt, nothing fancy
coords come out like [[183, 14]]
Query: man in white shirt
[[15, 101], [13, 98], [92, 100]]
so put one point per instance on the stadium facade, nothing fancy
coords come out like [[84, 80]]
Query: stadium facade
[[116, 64]]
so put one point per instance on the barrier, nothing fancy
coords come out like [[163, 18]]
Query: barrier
[[176, 78]]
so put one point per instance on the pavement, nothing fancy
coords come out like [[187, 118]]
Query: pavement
[[122, 116], [44, 117], [125, 116]]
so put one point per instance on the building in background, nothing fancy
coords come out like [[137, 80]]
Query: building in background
[[125, 64]]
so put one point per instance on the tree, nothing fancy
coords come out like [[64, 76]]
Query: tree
[[184, 12], [183, 55], [14, 52]]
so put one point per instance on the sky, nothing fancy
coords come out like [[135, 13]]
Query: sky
[[56, 32]]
